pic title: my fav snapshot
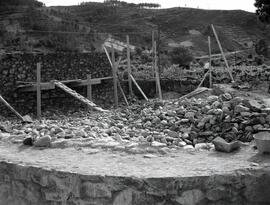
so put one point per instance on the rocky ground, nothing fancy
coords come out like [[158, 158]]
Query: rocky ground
[[149, 127]]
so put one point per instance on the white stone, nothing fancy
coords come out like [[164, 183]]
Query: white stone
[[158, 144], [189, 148]]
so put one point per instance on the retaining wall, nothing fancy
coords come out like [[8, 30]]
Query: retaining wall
[[24, 185], [55, 66]]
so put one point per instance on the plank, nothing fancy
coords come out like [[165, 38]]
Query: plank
[[78, 96], [32, 86], [11, 108], [139, 88]]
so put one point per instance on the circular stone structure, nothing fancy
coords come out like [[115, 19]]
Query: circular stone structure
[[87, 176]]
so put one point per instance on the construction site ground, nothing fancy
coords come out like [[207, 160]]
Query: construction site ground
[[115, 159], [176, 163]]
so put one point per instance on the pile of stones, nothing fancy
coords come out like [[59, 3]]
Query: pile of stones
[[188, 123], [198, 120]]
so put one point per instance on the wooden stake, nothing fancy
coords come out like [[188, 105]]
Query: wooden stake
[[139, 88], [203, 79], [114, 79], [38, 91], [89, 88], [157, 73], [222, 53], [153, 54], [129, 67], [122, 92], [210, 62]]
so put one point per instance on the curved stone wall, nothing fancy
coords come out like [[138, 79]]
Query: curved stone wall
[[25, 185]]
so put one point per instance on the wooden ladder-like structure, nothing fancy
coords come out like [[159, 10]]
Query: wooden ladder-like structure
[[78, 96]]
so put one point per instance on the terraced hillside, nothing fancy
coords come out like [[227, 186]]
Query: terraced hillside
[[88, 25]]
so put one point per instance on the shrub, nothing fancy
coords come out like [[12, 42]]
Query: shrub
[[181, 56]]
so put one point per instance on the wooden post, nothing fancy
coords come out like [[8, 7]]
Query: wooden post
[[139, 88], [114, 79], [122, 92], [129, 67], [210, 62], [222, 53], [38, 91], [89, 88], [153, 54], [157, 73]]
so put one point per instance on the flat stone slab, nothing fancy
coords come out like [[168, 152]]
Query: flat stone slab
[[89, 161]]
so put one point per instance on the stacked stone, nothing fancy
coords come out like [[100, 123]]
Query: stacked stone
[[55, 66]]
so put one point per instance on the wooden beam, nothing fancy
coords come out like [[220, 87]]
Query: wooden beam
[[210, 62], [193, 93], [157, 73], [108, 55], [203, 79], [122, 92], [129, 67], [86, 82], [221, 50], [89, 88], [11, 108], [38, 91], [32, 86], [139, 88], [114, 79]]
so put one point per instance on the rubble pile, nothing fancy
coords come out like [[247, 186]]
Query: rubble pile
[[199, 120], [184, 123]]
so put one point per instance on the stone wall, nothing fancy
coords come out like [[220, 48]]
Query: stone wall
[[23, 185], [67, 66], [55, 66]]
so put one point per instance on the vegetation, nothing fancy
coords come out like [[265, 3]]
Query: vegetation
[[181, 56], [116, 3], [149, 5], [7, 3], [263, 10]]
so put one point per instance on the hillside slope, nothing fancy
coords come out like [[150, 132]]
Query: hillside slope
[[85, 27]]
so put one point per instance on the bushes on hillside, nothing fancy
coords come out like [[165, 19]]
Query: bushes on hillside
[[34, 3], [181, 56]]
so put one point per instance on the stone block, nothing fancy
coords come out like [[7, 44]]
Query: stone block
[[218, 193], [95, 190], [124, 197], [191, 197]]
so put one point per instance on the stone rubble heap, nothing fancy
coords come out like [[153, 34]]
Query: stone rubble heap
[[198, 120], [184, 123]]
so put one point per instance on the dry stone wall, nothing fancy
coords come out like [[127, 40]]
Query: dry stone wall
[[55, 66], [24, 185]]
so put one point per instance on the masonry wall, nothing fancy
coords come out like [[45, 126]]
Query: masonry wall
[[23, 185], [56, 66]]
